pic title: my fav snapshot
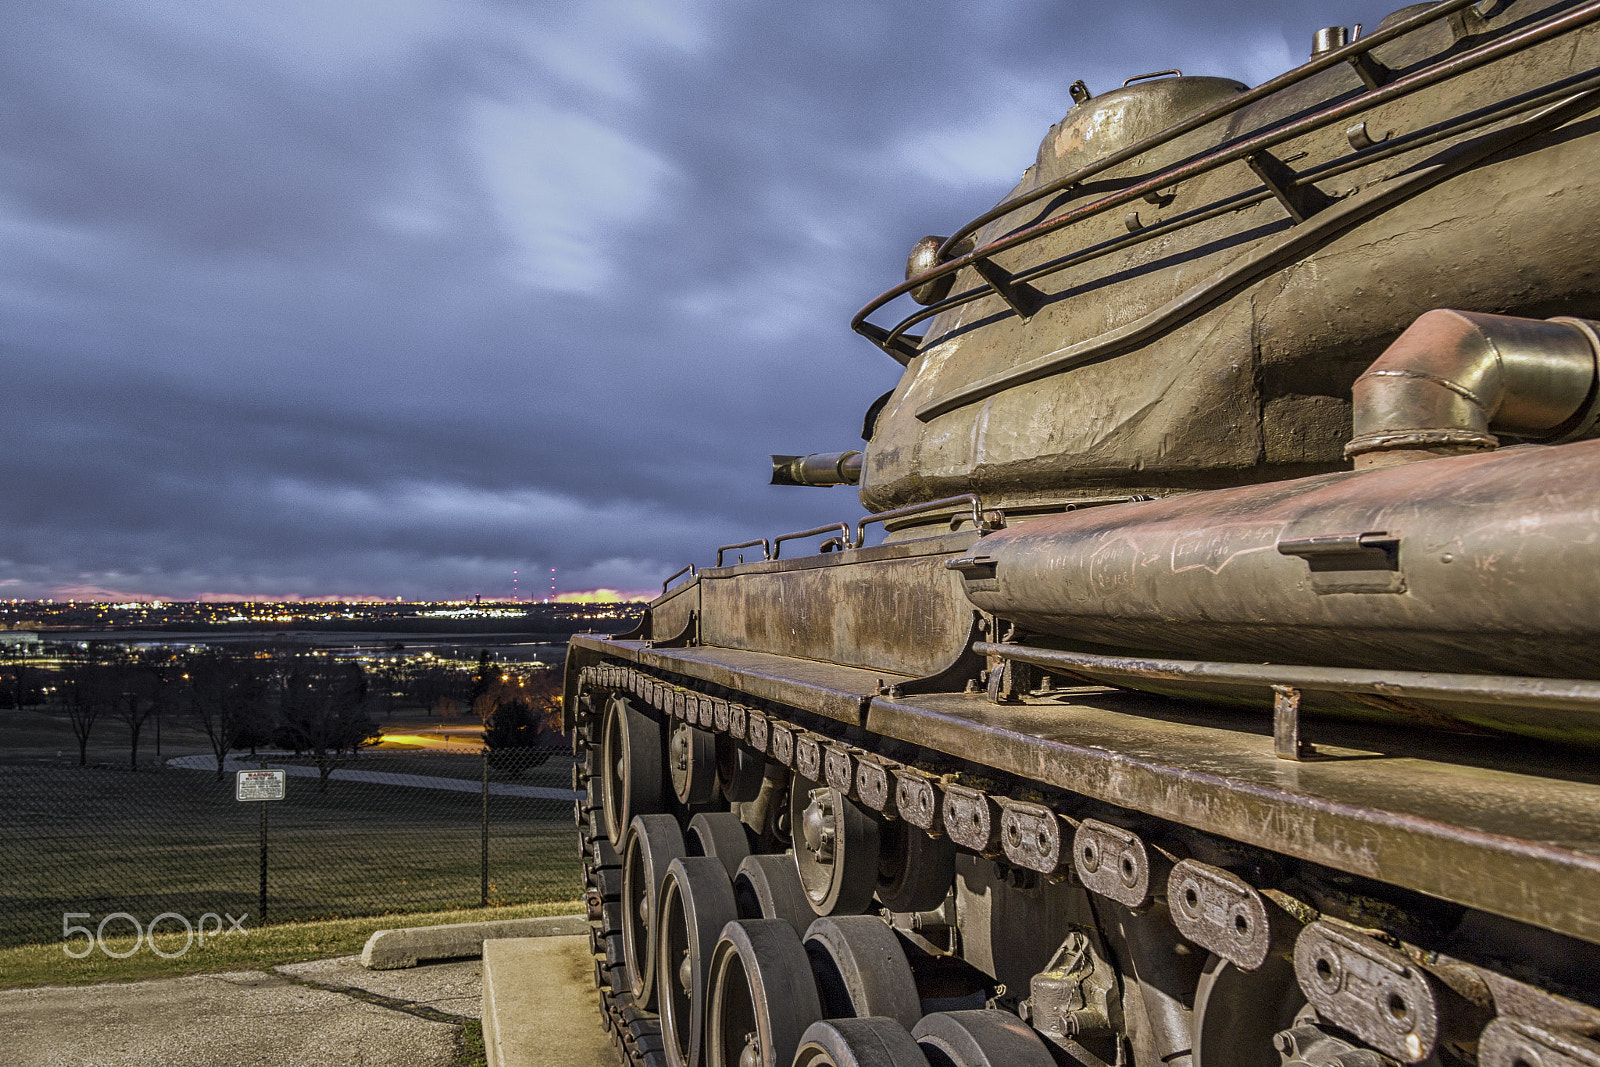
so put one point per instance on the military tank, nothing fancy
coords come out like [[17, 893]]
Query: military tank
[[1211, 681]]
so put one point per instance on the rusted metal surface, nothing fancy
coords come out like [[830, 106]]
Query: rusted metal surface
[[1496, 833], [891, 608], [1499, 564]]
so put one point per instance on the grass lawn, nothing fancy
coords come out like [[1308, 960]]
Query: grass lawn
[[100, 841], [268, 946]]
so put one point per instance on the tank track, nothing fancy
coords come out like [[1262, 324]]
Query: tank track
[[635, 1033], [1032, 833]]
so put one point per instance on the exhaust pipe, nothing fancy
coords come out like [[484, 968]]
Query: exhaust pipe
[[1456, 378]]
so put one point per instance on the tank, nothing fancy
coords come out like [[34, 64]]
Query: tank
[[1211, 680]]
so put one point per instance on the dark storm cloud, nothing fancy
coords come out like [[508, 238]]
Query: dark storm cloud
[[320, 298]]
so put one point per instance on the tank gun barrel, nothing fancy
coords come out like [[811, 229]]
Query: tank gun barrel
[[819, 468]]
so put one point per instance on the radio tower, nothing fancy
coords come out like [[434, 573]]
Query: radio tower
[[552, 585], [513, 587]]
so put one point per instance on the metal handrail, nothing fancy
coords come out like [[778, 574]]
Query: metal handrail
[[688, 569], [1316, 65], [917, 509], [1410, 142], [842, 527], [891, 340], [766, 548], [1264, 257]]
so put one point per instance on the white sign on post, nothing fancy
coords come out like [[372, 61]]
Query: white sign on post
[[260, 785]]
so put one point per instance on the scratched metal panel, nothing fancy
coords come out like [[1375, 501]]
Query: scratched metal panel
[[903, 615]]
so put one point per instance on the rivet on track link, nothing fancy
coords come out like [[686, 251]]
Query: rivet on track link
[[758, 732], [1031, 835], [781, 745], [838, 768], [875, 787], [917, 800], [971, 819], [808, 756]]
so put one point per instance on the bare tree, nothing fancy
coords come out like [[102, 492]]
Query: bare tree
[[18, 653], [224, 693], [323, 711], [88, 689], [145, 678]]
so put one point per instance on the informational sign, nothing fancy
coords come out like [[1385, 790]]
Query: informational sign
[[260, 785]]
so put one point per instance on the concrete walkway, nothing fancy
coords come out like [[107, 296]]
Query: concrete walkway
[[344, 774], [239, 1019], [317, 1014]]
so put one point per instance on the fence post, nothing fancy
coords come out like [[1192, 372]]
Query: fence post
[[483, 866], [261, 912]]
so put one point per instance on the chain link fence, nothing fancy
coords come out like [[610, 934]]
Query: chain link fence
[[379, 833]]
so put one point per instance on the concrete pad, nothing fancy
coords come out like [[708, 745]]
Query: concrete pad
[[453, 988], [539, 1005], [389, 949], [238, 1019]]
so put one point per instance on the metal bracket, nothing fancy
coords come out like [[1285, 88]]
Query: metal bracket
[[953, 677], [972, 819], [1300, 201], [1020, 297], [1370, 70], [1032, 836], [638, 633], [874, 787], [1350, 563], [1220, 912], [1286, 742], [918, 800], [903, 349], [683, 638], [838, 766]]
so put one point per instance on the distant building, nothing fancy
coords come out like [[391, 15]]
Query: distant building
[[13, 638]]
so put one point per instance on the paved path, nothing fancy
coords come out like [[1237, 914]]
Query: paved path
[[344, 774], [325, 1013], [238, 1019]]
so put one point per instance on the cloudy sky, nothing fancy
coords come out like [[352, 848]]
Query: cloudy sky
[[322, 297]]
